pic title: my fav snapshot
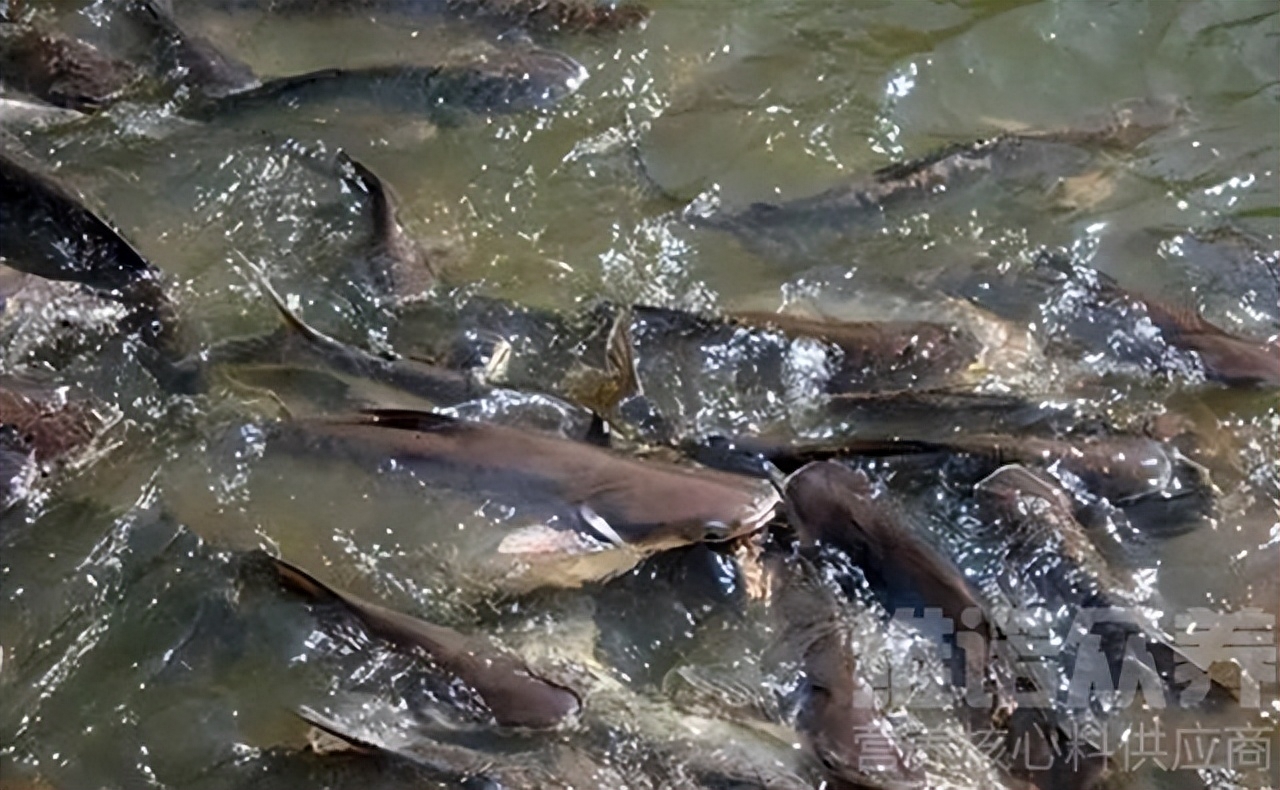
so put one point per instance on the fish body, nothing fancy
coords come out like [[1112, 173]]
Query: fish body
[[298, 345], [1041, 158], [47, 231], [831, 504], [514, 696], [186, 58], [513, 79], [876, 351], [62, 71], [838, 714], [646, 505], [569, 16]]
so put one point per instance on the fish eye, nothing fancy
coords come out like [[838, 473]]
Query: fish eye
[[715, 530]]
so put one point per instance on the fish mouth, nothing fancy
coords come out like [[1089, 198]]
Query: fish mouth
[[760, 512]]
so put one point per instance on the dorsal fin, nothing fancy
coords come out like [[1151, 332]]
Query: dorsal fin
[[291, 319], [302, 582]]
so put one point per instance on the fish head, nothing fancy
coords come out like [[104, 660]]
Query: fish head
[[1013, 488], [528, 77], [716, 523], [819, 499]]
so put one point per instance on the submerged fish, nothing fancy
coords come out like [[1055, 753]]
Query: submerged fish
[[1014, 157], [1225, 357], [63, 71], [838, 713], [399, 267], [47, 231], [1123, 469], [297, 345], [511, 79], [608, 502], [571, 16], [1048, 548], [188, 59], [879, 352], [514, 695]]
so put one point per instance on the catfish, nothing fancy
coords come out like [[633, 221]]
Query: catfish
[[872, 351], [628, 503], [190, 60], [568, 16], [515, 696], [1226, 358], [831, 505], [1047, 545], [47, 231], [838, 716], [297, 345], [511, 80], [1042, 157], [65, 72]]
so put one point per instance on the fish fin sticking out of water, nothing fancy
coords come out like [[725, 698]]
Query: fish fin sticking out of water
[[513, 695], [336, 738], [190, 59], [292, 320], [400, 266]]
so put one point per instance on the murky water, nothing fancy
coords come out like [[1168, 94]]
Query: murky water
[[141, 649]]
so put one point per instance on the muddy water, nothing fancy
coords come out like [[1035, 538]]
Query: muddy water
[[138, 650]]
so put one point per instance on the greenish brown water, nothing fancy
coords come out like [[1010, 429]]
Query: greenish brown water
[[136, 654]]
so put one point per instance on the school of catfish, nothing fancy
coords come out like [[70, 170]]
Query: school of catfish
[[571, 444]]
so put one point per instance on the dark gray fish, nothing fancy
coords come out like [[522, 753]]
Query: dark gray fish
[[555, 766], [297, 345], [510, 80], [1036, 157], [188, 59], [1048, 548], [1120, 468], [514, 695], [1046, 544], [574, 16], [1225, 357], [838, 715], [570, 16], [47, 231], [879, 352], [63, 71], [398, 265], [831, 504], [642, 505]]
